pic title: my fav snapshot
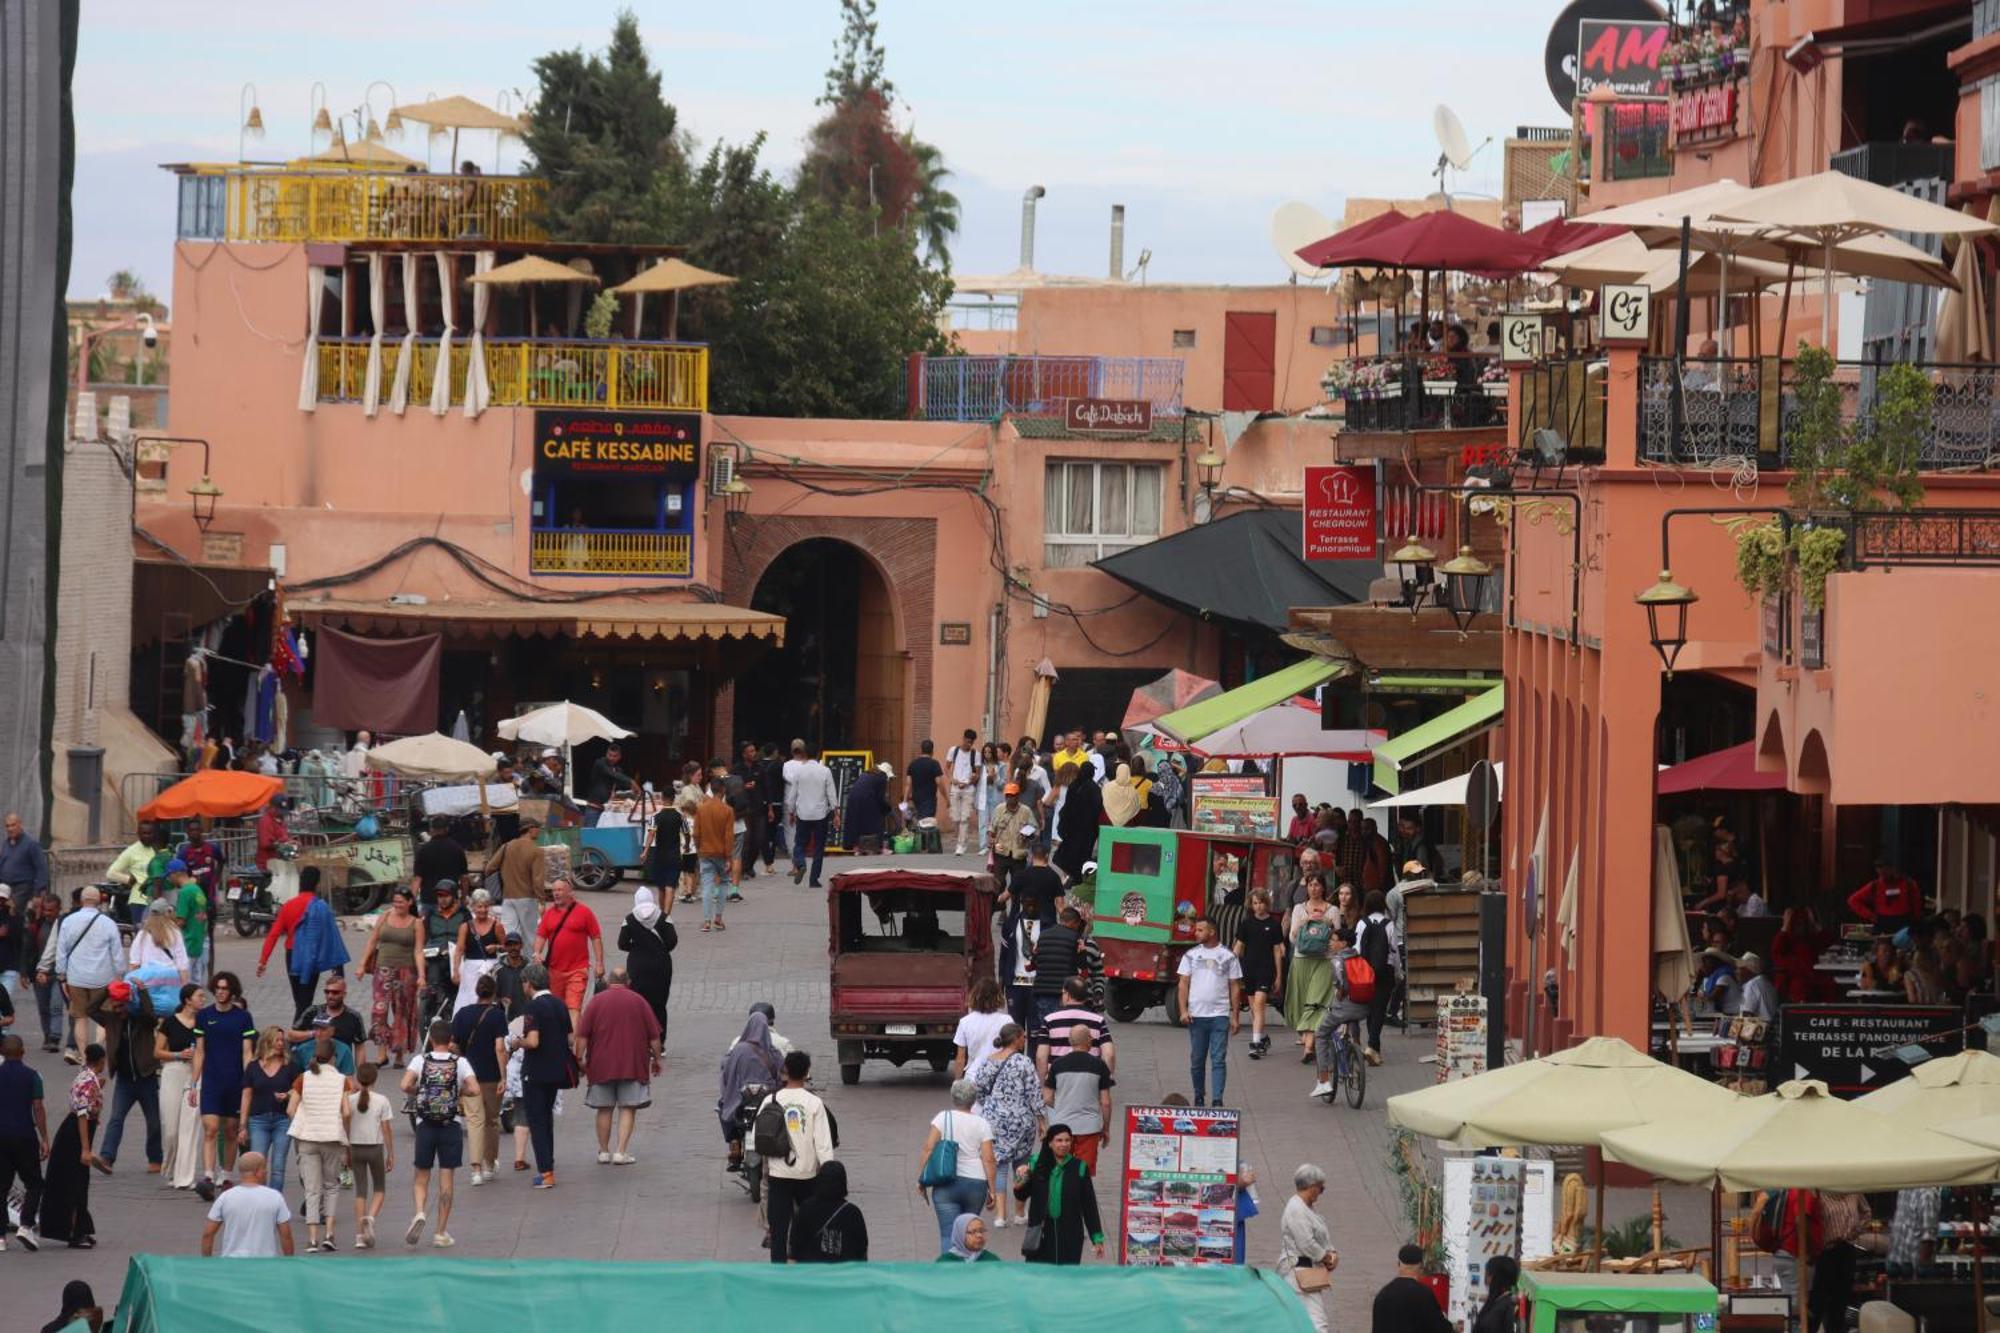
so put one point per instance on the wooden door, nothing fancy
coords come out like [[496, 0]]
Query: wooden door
[[1249, 361], [880, 669]]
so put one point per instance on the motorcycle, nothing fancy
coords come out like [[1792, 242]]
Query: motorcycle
[[251, 905], [750, 1171]]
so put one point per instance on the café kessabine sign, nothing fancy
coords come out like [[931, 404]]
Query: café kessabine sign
[[618, 446], [1109, 416], [1623, 56], [1625, 313], [1340, 513]]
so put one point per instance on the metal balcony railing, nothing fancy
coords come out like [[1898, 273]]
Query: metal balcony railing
[[1743, 410], [251, 204], [532, 372], [1406, 393], [611, 551], [985, 388], [1567, 399]]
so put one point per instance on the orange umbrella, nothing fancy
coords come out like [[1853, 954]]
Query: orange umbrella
[[217, 792]]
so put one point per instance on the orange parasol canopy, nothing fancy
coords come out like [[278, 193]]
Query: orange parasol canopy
[[218, 792]]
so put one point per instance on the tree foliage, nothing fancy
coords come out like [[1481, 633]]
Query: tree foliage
[[1860, 464]]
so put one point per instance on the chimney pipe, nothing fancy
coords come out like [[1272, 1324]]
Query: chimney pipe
[[1034, 192], [1118, 242]]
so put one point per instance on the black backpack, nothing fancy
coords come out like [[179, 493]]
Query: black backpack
[[768, 1134]]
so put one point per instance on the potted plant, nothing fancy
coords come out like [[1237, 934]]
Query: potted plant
[[1739, 36], [1670, 61], [1493, 379]]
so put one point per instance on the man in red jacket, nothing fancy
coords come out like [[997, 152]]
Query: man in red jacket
[[1890, 901], [286, 927]]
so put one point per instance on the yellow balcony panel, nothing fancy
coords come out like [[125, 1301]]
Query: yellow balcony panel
[[597, 551]]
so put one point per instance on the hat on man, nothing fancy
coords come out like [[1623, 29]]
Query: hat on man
[[550, 753], [1415, 869], [443, 886], [6, 893], [177, 867], [513, 937], [1750, 962], [1011, 789]]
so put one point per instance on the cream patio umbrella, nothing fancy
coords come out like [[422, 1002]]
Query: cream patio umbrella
[[672, 277], [432, 756], [1962, 316], [562, 725], [1832, 208], [455, 114]]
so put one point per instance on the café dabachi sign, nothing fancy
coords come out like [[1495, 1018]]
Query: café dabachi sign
[[617, 446], [1109, 416]]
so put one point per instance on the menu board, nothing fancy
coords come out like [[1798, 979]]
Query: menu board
[[1493, 1205], [847, 766], [1178, 1205]]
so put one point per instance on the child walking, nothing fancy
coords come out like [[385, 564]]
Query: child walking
[[371, 1151]]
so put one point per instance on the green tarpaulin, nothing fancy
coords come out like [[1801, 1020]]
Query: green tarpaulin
[[570, 1296], [1477, 715], [1195, 721]]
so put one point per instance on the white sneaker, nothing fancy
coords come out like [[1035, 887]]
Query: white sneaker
[[999, 1224], [27, 1236], [622, 1159], [603, 1159], [1323, 1088], [442, 1241], [416, 1230], [478, 1178]]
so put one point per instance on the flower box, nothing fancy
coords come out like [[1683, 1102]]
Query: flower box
[[1495, 390], [1440, 388]]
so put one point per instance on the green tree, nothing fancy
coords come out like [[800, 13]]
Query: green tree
[[600, 132], [936, 210]]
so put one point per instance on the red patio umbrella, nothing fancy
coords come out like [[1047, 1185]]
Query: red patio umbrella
[[1733, 769], [1559, 236], [1449, 241], [1338, 250]]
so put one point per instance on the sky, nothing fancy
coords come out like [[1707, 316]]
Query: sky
[[1201, 118]]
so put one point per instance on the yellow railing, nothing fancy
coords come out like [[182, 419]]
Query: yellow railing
[[381, 206], [588, 551], [660, 377]]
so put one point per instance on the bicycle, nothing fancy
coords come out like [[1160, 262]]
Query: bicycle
[[1350, 1071]]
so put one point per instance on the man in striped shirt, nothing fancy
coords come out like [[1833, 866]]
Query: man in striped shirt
[[1052, 1036]]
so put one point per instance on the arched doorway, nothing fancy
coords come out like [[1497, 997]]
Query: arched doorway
[[839, 679]]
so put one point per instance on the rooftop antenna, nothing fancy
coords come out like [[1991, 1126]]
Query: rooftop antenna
[[1456, 152]]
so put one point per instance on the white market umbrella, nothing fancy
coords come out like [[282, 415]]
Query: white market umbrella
[[432, 756], [562, 724], [1288, 728], [1449, 792]]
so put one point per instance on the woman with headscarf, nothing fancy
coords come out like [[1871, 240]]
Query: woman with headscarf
[[753, 1059], [828, 1228], [648, 938], [968, 1242], [1077, 823], [1123, 801], [77, 1303], [1062, 1205]]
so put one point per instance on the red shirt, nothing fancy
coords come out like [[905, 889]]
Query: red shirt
[[270, 832], [287, 925], [621, 1030], [1301, 828], [1887, 898], [569, 931]]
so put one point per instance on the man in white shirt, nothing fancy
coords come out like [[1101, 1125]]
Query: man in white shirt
[[437, 1078], [252, 1219], [961, 764], [85, 954], [1760, 997], [791, 1178], [1211, 988], [809, 802]]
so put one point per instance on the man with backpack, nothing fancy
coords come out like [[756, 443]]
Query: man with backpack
[[794, 1136], [1354, 986], [1375, 939], [434, 1082]]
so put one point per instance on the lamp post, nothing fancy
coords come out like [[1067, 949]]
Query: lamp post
[[1412, 564], [394, 125], [1208, 467], [736, 495], [203, 495], [1465, 576], [1667, 604]]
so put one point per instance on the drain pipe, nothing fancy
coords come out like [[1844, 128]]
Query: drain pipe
[[1033, 193], [1118, 242], [994, 629]]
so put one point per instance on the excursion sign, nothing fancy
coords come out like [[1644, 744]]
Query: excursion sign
[[1852, 1047], [616, 446]]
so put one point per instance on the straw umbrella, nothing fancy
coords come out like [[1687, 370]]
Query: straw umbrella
[[1801, 1137], [362, 153], [455, 114], [532, 271], [1038, 700], [672, 277]]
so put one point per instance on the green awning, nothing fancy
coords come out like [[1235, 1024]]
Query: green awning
[[1474, 717], [1190, 724], [563, 1295]]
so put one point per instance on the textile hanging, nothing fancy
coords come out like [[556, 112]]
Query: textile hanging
[[379, 685], [478, 392], [441, 377], [399, 396], [378, 308], [309, 373]]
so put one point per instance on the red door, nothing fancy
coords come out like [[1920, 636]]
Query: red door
[[1249, 361]]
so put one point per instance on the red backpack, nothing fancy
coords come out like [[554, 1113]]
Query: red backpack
[[1775, 1226], [1360, 979]]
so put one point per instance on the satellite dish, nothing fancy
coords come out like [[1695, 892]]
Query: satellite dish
[[1451, 137], [1294, 226]]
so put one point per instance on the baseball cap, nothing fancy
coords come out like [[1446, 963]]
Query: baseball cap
[[513, 937], [1011, 789], [177, 867], [6, 892], [446, 886]]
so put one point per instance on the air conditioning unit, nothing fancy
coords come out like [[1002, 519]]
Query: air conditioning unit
[[721, 470]]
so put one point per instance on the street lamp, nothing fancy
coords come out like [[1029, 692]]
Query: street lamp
[[736, 495], [1465, 576], [1208, 464], [204, 493], [1667, 604], [252, 120], [1411, 565]]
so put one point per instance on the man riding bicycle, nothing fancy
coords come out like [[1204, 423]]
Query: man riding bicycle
[[1343, 1012]]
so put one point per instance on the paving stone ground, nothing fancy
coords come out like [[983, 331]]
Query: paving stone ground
[[677, 1203]]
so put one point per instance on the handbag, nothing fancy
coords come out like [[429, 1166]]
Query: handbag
[[1312, 1279], [1031, 1239], [941, 1167]]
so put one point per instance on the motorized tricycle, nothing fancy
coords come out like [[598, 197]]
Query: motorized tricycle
[[903, 947]]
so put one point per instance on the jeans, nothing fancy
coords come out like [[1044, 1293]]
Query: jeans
[[1208, 1052], [782, 1197], [1378, 1007], [1046, 1004], [125, 1093], [714, 884], [541, 1099], [1021, 1006], [813, 832], [270, 1134], [963, 1195], [54, 1012], [774, 836]]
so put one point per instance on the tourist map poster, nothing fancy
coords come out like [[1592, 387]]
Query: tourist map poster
[[1177, 1202]]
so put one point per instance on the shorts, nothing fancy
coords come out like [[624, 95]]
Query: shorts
[[690, 865], [625, 1093], [512, 1117], [369, 1178], [442, 1146], [570, 987], [1259, 985], [222, 1098]]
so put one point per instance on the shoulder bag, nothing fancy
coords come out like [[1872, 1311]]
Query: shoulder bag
[[941, 1167], [1311, 1278]]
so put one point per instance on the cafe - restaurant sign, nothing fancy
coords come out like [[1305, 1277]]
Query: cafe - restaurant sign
[[1340, 512], [616, 446], [1621, 55], [1707, 112], [1625, 313], [1109, 416], [1520, 339]]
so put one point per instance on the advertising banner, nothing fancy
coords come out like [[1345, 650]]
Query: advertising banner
[[1178, 1202]]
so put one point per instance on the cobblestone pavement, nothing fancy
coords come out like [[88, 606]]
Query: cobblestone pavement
[[677, 1203]]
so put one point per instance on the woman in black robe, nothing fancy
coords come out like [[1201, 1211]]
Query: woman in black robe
[[1082, 812], [867, 807]]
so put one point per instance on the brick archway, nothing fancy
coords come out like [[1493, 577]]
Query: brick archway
[[904, 552]]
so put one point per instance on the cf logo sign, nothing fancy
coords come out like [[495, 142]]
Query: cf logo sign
[[1626, 313]]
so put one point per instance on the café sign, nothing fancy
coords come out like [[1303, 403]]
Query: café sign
[[1625, 313], [1705, 112], [1109, 416], [1623, 56], [1520, 339], [1340, 512], [613, 446]]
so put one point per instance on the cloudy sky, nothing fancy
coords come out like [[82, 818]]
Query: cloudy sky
[[1200, 118]]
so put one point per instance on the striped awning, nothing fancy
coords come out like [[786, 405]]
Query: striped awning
[[610, 618]]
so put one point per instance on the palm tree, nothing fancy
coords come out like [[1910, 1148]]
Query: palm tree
[[935, 209], [125, 285]]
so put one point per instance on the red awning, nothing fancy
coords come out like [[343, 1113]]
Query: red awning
[[1734, 769], [1437, 241], [1339, 249]]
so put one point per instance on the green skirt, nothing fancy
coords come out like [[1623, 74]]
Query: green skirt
[[1308, 991]]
